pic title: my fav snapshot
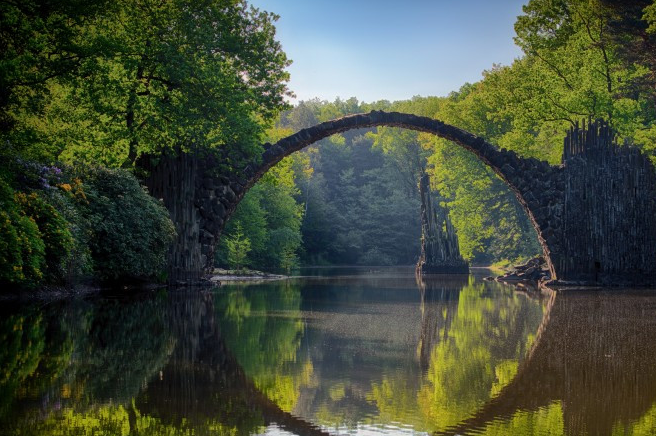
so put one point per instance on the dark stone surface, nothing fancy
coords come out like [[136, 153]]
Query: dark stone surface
[[440, 252]]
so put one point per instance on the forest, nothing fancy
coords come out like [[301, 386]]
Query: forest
[[91, 88]]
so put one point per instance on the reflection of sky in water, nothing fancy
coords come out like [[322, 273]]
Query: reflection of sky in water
[[363, 353]]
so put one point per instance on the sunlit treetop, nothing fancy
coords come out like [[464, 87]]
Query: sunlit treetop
[[147, 76]]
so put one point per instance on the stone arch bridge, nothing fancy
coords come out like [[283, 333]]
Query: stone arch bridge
[[592, 214]]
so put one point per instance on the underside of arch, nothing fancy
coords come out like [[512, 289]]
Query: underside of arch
[[536, 184]]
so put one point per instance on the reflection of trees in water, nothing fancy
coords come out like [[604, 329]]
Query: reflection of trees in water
[[463, 341], [118, 346], [196, 390], [78, 355], [591, 371], [263, 328], [439, 304], [204, 387], [127, 343], [359, 328], [487, 333], [23, 341], [472, 336]]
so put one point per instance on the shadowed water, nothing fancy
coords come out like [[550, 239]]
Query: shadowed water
[[355, 351]]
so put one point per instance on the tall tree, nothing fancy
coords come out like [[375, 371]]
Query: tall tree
[[41, 41], [194, 75]]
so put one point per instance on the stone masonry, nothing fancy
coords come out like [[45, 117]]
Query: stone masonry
[[201, 203]]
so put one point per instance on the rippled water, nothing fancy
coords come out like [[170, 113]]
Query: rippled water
[[353, 352]]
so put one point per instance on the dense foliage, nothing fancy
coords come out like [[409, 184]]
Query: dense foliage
[[359, 196], [340, 201], [65, 226], [109, 83], [131, 231], [22, 251], [582, 59], [270, 218], [118, 79], [89, 83]]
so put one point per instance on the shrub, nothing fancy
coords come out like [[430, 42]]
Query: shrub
[[54, 232], [78, 265], [22, 250], [130, 230]]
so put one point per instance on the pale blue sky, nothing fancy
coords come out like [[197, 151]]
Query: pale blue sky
[[393, 50]]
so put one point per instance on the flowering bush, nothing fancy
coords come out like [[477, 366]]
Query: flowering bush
[[64, 225]]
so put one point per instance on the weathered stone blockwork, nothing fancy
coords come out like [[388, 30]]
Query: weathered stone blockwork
[[592, 214]]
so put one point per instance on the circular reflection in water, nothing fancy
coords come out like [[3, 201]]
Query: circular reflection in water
[[360, 352]]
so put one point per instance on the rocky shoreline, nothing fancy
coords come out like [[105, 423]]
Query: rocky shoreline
[[534, 270], [247, 275]]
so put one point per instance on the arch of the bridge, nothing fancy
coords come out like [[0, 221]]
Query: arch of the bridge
[[536, 184], [592, 213]]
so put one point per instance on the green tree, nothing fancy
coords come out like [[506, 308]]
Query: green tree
[[40, 41], [360, 205], [54, 231], [152, 76], [238, 248], [22, 250], [130, 230]]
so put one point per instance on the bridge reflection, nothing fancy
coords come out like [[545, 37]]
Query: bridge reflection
[[203, 384], [594, 355], [455, 357], [203, 373]]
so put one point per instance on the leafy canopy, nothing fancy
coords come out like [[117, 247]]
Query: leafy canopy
[[143, 76]]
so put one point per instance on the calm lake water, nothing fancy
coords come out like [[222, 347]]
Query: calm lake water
[[353, 352]]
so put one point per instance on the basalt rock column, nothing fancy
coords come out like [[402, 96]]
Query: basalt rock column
[[440, 253], [608, 233], [199, 204]]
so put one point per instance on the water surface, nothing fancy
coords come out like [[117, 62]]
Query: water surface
[[356, 351]]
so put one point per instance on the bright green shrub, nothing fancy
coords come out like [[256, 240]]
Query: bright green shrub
[[22, 250], [238, 248], [130, 230], [54, 232]]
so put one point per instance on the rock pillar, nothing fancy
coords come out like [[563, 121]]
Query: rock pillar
[[440, 253]]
